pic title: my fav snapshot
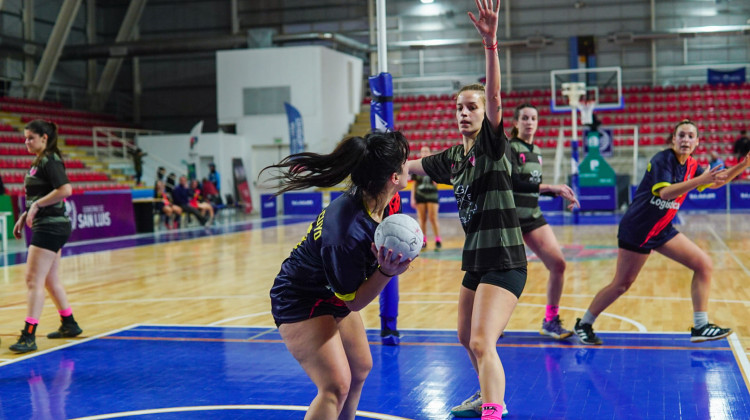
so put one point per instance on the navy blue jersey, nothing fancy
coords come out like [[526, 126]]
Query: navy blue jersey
[[648, 214], [331, 261]]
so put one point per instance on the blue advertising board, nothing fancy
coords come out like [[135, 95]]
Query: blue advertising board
[[706, 200], [303, 203], [268, 207], [598, 198]]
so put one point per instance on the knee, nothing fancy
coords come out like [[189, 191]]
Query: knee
[[704, 266], [336, 392], [557, 266], [360, 372], [622, 286], [464, 337], [480, 347]]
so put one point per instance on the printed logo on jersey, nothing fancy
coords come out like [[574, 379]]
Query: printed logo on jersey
[[522, 156], [536, 177], [664, 204], [32, 171]]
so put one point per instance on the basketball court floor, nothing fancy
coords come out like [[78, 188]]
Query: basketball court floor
[[177, 326]]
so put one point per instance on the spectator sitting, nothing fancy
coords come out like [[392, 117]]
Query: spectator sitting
[[210, 192], [199, 202], [165, 206], [170, 183], [181, 195], [716, 160]]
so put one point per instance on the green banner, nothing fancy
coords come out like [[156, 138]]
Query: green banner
[[594, 171]]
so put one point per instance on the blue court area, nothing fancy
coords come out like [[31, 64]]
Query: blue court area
[[182, 372]]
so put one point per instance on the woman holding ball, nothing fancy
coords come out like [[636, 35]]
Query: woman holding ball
[[335, 270], [494, 257]]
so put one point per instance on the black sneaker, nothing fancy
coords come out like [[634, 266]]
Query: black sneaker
[[25, 344], [438, 244], [390, 337], [585, 333], [66, 330], [708, 332]]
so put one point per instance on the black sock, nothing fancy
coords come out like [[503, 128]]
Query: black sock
[[30, 329], [67, 319]]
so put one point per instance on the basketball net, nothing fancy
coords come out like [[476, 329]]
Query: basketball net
[[586, 108]]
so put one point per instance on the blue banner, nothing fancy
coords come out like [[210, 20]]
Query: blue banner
[[268, 205], [606, 143], [549, 203], [598, 198], [303, 203], [381, 105], [739, 194], [708, 199], [296, 130], [718, 77]]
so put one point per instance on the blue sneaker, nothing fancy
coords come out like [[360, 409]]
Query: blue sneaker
[[555, 329]]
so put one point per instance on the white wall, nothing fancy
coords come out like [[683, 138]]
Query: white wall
[[173, 149], [325, 86]]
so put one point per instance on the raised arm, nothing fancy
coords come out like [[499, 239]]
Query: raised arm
[[486, 24]]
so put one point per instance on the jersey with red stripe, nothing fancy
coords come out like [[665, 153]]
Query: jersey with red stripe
[[648, 214]]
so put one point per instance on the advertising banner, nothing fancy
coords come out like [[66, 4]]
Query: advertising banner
[[241, 186]]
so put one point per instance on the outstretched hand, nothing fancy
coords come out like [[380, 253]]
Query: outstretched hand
[[567, 193], [388, 262], [486, 23]]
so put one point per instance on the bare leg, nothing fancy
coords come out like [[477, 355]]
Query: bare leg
[[687, 253], [492, 309], [465, 308], [54, 285], [432, 212], [317, 346], [360, 360], [422, 218], [629, 264], [544, 244], [38, 266]]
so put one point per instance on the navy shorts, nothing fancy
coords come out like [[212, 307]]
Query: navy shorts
[[660, 239], [513, 280], [286, 310]]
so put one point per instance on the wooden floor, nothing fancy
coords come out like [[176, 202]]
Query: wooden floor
[[224, 280]]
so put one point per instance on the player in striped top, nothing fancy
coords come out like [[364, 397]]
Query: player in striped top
[[494, 257], [526, 158], [647, 226]]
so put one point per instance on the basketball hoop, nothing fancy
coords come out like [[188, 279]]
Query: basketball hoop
[[586, 108], [574, 91]]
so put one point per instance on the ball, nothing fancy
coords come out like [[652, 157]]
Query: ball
[[400, 233]]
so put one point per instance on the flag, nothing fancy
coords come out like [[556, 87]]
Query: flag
[[296, 129], [195, 133]]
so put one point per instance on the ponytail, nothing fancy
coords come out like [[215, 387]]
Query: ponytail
[[42, 127], [369, 161]]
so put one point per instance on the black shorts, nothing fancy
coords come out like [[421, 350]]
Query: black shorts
[[49, 241], [513, 280], [534, 224], [422, 200], [288, 311]]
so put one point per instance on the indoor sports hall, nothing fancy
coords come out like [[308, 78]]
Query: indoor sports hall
[[151, 98]]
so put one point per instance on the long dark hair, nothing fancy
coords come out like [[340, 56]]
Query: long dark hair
[[369, 161], [42, 127], [517, 115]]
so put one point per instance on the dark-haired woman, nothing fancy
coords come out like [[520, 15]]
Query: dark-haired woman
[[46, 187], [335, 270], [526, 158], [647, 226], [494, 257]]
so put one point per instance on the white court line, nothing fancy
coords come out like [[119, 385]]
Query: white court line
[[739, 351], [239, 317], [365, 414], [729, 250], [70, 344]]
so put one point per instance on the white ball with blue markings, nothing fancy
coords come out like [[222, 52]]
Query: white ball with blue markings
[[400, 233]]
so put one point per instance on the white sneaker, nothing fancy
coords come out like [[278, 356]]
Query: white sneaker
[[472, 407]]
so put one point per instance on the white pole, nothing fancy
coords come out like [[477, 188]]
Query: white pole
[[382, 39]]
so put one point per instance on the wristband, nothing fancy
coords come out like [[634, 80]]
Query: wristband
[[384, 273], [491, 47]]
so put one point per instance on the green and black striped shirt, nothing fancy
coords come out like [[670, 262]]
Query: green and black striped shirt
[[40, 181], [484, 194], [527, 167]]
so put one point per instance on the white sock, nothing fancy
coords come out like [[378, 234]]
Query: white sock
[[588, 318], [700, 319]]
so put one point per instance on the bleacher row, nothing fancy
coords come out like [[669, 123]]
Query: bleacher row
[[429, 120], [77, 123]]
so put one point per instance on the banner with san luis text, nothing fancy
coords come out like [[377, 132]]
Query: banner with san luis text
[[97, 216]]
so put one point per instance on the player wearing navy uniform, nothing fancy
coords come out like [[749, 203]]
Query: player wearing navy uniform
[[647, 226], [336, 270]]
